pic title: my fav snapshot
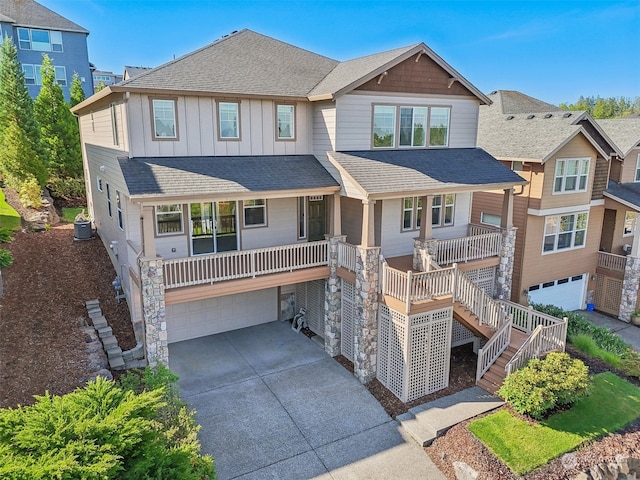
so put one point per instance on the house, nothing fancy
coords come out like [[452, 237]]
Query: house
[[102, 78], [251, 178], [565, 158], [130, 72], [36, 30], [617, 279]]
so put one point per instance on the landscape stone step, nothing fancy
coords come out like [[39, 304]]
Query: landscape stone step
[[99, 322], [92, 303], [428, 421], [109, 341], [114, 352], [136, 364], [116, 363], [105, 332]]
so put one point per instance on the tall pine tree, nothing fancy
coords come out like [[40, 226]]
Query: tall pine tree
[[76, 90], [20, 149], [58, 126]]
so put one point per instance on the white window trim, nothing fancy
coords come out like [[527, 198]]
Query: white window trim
[[99, 184], [176, 135], [159, 214], [302, 217], [637, 173], [413, 210], [109, 205], [51, 42], [557, 233], [634, 224], [564, 176], [244, 209], [293, 122], [119, 210], [236, 138], [482, 219], [443, 208], [114, 124]]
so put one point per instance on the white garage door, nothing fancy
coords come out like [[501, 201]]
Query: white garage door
[[221, 314], [566, 293]]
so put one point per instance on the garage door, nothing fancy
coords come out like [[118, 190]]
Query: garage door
[[566, 293], [221, 314]]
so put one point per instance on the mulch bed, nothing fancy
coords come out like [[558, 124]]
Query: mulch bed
[[41, 345]]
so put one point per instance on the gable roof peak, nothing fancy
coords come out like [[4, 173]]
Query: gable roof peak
[[510, 102]]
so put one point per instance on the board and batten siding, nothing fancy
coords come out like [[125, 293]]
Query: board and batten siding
[[355, 114], [198, 129]]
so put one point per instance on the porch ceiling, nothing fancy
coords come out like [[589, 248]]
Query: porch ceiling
[[386, 173]]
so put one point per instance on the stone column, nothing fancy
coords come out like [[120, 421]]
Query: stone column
[[366, 327], [422, 250], [629, 288], [505, 268], [153, 310], [333, 301]]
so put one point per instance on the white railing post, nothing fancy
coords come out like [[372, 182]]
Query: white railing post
[[454, 283], [409, 285]]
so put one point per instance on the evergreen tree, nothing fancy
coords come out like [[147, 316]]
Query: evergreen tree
[[599, 107], [58, 126], [20, 151], [76, 90]]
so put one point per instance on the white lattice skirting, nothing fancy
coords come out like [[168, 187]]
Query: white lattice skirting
[[348, 319], [310, 295]]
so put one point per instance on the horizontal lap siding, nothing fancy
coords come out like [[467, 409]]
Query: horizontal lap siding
[[628, 174], [281, 229]]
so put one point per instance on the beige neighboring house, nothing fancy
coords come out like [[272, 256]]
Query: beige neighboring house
[[251, 178], [618, 273], [565, 158]]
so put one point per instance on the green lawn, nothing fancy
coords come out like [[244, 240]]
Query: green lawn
[[524, 446], [69, 214], [9, 218]]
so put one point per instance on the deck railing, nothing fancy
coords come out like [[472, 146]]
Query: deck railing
[[526, 319], [464, 249], [540, 342], [612, 261], [347, 256], [476, 300], [411, 287], [475, 229], [207, 269], [497, 344]]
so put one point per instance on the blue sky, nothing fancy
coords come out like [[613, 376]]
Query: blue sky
[[552, 50]]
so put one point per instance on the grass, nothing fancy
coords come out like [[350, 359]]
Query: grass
[[525, 446], [9, 218], [586, 344], [69, 214]]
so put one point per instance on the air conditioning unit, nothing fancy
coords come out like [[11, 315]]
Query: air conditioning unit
[[626, 248]]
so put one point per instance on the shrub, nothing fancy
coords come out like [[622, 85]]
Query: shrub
[[6, 258], [586, 344], [631, 364], [66, 187], [30, 193], [6, 235], [545, 384]]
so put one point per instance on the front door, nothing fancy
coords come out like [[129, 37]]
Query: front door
[[213, 227], [317, 218]]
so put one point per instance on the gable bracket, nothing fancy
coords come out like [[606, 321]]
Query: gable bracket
[[382, 75], [419, 55], [451, 81]]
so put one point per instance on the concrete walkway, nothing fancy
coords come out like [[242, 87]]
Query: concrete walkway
[[629, 333], [273, 405]]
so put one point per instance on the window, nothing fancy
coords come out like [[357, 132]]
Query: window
[[99, 183], [563, 232], [408, 222], [286, 122], [637, 176], [417, 126], [40, 40], [61, 76], [439, 127], [384, 126], [490, 219], [571, 175], [228, 114], [29, 75], [164, 119], [255, 213], [33, 74], [109, 210], [114, 124], [630, 219], [442, 210], [413, 126], [169, 219], [119, 209], [302, 218]]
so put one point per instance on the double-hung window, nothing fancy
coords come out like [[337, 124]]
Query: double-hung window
[[61, 75], [571, 175], [442, 210], [33, 74], [169, 219], [286, 122], [229, 119], [562, 232], [39, 40], [255, 212], [630, 221], [119, 209], [30, 75], [164, 119], [409, 126]]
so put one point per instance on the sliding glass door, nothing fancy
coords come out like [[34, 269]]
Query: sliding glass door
[[213, 227]]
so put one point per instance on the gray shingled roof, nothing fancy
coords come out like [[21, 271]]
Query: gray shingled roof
[[512, 101], [182, 176], [624, 132], [381, 172], [628, 192], [28, 13], [245, 62], [131, 72]]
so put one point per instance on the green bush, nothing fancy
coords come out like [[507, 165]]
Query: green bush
[[545, 384], [102, 431], [6, 258], [631, 364], [30, 193], [6, 235], [66, 187], [586, 344]]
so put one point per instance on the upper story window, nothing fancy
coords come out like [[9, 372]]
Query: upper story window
[[119, 209], [571, 175], [169, 219], [636, 177], [164, 119], [114, 124], [286, 122], [109, 210], [255, 212], [39, 40], [229, 119], [99, 184], [417, 126], [630, 221], [33, 74], [562, 232]]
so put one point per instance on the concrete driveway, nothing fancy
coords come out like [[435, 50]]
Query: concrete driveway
[[273, 405]]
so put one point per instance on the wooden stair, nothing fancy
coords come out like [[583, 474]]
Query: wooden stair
[[469, 320], [492, 380]]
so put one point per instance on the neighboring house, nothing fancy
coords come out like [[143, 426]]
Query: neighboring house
[[130, 72], [565, 158], [36, 30], [250, 178], [104, 79], [618, 273]]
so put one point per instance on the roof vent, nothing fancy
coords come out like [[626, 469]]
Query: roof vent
[[494, 92], [529, 117], [567, 115], [548, 115], [510, 117]]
